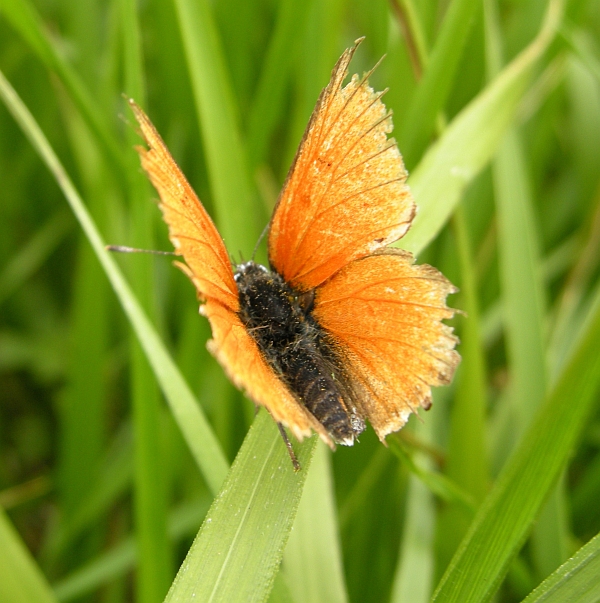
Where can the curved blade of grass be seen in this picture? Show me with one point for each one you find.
(196, 430)
(21, 580)
(585, 47)
(238, 549)
(217, 115)
(576, 580)
(23, 17)
(435, 481)
(471, 139)
(506, 516)
(313, 561)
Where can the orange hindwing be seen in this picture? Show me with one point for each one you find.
(385, 315)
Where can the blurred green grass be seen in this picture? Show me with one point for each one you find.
(105, 486)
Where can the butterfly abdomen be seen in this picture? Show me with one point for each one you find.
(306, 375)
(280, 321)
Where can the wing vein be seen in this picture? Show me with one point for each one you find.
(319, 201)
(370, 234)
(345, 335)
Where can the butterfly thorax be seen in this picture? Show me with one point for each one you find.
(280, 320)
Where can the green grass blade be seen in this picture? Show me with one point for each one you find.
(116, 561)
(196, 430)
(236, 211)
(523, 319)
(312, 560)
(82, 423)
(238, 549)
(585, 496)
(280, 593)
(362, 486)
(414, 574)
(437, 482)
(585, 47)
(576, 580)
(413, 580)
(269, 97)
(585, 129)
(467, 462)
(506, 516)
(150, 478)
(521, 279)
(110, 482)
(523, 295)
(33, 254)
(430, 96)
(471, 140)
(319, 50)
(113, 563)
(523, 298)
(24, 18)
(21, 580)
(83, 407)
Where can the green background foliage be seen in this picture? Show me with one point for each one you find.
(131, 470)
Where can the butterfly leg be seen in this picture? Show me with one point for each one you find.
(290, 450)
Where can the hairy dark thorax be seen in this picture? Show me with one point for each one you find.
(280, 320)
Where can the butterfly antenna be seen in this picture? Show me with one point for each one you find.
(262, 236)
(235, 264)
(124, 249)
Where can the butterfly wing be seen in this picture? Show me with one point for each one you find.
(196, 238)
(345, 195)
(191, 229)
(384, 315)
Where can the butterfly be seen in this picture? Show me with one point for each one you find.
(340, 328)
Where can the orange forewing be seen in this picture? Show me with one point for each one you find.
(385, 313)
(345, 195)
(191, 230)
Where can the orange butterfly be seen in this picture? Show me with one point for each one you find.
(341, 328)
